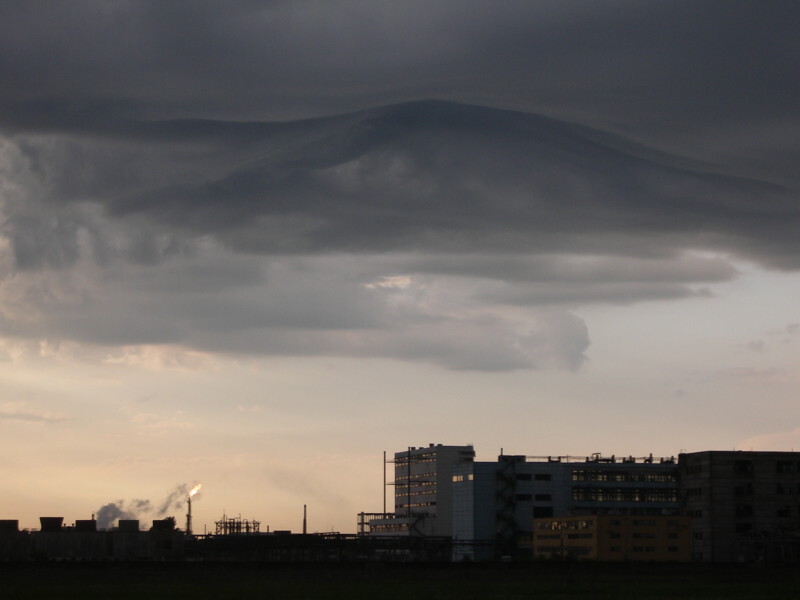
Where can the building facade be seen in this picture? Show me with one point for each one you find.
(614, 538)
(744, 506)
(423, 502)
(495, 503)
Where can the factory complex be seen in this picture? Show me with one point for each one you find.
(711, 506)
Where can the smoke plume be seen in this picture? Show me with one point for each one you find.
(109, 514)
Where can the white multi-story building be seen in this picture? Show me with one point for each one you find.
(423, 489)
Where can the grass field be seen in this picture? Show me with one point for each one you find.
(389, 582)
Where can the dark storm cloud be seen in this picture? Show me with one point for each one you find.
(661, 67)
(426, 176)
(163, 160)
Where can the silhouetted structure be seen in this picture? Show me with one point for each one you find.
(745, 506)
(236, 526)
(495, 503)
(614, 538)
(742, 506)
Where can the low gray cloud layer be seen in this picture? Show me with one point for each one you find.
(272, 178)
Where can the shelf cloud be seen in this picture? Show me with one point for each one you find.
(233, 181)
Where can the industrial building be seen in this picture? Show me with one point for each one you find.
(712, 506)
(423, 503)
(614, 538)
(744, 506)
(82, 541)
(741, 506)
(236, 540)
(495, 503)
(487, 508)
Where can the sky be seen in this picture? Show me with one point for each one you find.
(256, 244)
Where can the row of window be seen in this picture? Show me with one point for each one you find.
(531, 497)
(558, 525)
(416, 460)
(405, 492)
(416, 483)
(414, 476)
(413, 505)
(586, 523)
(587, 549)
(637, 475)
(534, 476)
(624, 495)
(746, 489)
(745, 511)
(746, 467)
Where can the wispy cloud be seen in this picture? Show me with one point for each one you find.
(31, 417)
(781, 440)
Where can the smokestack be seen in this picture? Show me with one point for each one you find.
(305, 522)
(189, 516)
(192, 492)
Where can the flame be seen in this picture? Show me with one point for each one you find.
(195, 489)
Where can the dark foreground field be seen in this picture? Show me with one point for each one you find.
(387, 582)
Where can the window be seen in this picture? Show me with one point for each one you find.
(542, 512)
(523, 476)
(542, 477)
(784, 466)
(744, 510)
(648, 475)
(743, 467)
(524, 497)
(744, 527)
(609, 494)
(543, 497)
